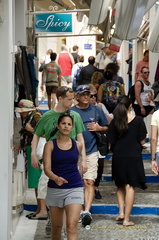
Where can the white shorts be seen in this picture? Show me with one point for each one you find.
(42, 186)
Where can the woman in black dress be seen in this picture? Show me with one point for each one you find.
(126, 135)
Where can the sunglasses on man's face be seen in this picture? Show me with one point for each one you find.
(93, 95)
(146, 72)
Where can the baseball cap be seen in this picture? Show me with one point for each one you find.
(82, 88)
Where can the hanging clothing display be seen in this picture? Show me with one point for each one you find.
(26, 73)
(34, 81)
(157, 73)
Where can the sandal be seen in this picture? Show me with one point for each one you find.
(128, 223)
(40, 217)
(31, 215)
(120, 217)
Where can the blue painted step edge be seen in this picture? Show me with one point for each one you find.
(144, 156)
(149, 179)
(110, 209)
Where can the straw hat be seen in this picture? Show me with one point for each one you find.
(25, 106)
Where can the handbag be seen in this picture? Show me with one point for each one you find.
(102, 141)
(40, 148)
(41, 68)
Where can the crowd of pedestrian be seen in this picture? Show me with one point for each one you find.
(73, 166)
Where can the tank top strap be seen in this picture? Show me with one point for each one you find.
(54, 143)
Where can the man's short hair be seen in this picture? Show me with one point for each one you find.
(91, 60)
(143, 68)
(75, 47)
(61, 91)
(53, 56)
(63, 47)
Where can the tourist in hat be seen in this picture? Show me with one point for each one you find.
(30, 117)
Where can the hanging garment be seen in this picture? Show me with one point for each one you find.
(27, 74)
(157, 73)
(34, 80)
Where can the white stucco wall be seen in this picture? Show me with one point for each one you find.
(6, 123)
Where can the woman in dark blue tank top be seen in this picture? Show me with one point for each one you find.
(65, 186)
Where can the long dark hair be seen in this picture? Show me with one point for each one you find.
(120, 114)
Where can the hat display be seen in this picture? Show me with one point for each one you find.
(156, 98)
(82, 88)
(25, 106)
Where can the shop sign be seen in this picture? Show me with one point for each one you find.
(53, 23)
(88, 46)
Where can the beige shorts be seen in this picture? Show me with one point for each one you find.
(92, 163)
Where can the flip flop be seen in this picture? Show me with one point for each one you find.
(31, 215)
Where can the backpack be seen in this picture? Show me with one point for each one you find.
(76, 78)
(131, 92)
(111, 93)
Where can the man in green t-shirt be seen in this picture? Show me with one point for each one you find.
(48, 122)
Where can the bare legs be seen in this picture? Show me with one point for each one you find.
(41, 209)
(88, 193)
(125, 196)
(72, 216)
(51, 101)
(43, 92)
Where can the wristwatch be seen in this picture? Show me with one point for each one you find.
(153, 159)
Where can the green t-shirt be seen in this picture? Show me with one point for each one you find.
(48, 123)
(52, 70)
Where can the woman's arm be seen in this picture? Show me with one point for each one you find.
(153, 143)
(100, 93)
(47, 164)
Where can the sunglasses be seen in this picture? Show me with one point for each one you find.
(146, 72)
(83, 88)
(66, 89)
(93, 95)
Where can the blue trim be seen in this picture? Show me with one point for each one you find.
(149, 179)
(110, 209)
(113, 209)
(42, 102)
(43, 110)
(145, 156)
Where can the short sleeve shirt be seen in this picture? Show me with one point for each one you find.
(52, 70)
(88, 115)
(48, 123)
(139, 65)
(155, 122)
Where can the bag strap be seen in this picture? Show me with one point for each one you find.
(53, 132)
(95, 110)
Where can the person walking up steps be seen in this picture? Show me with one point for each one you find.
(127, 134)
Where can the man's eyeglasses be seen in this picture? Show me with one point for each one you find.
(93, 95)
(146, 72)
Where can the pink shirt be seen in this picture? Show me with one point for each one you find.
(65, 63)
(139, 65)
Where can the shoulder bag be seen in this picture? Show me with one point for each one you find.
(102, 141)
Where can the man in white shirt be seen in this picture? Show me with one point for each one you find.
(99, 60)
